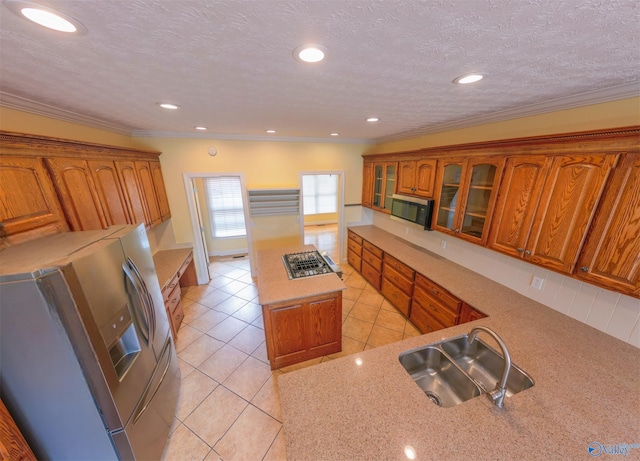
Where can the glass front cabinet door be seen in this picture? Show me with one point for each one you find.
(468, 190)
(384, 185)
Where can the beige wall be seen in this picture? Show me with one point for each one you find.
(23, 122)
(264, 165)
(625, 112)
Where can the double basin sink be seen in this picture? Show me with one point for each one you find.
(455, 370)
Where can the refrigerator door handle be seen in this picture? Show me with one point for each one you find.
(147, 296)
(146, 399)
(139, 308)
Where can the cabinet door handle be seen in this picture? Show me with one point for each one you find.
(584, 269)
(520, 250)
(527, 252)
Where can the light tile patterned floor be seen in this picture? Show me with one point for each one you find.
(229, 407)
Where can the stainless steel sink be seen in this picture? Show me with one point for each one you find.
(443, 382)
(485, 365)
(453, 371)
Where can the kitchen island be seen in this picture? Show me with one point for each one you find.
(302, 317)
(366, 406)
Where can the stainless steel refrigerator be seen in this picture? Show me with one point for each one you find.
(88, 368)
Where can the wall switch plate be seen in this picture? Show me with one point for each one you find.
(537, 282)
(443, 244)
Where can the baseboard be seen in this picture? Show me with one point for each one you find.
(239, 251)
(320, 223)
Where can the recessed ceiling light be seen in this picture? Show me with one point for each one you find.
(201, 128)
(166, 105)
(372, 119)
(468, 78)
(46, 17)
(270, 131)
(335, 134)
(310, 53)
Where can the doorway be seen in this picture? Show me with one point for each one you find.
(203, 215)
(322, 211)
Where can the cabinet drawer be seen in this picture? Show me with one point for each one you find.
(434, 307)
(354, 260)
(167, 292)
(371, 275)
(372, 259)
(372, 249)
(396, 296)
(398, 279)
(176, 318)
(184, 266)
(399, 267)
(422, 320)
(447, 300)
(355, 237)
(355, 247)
(173, 299)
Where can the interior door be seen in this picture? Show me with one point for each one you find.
(201, 227)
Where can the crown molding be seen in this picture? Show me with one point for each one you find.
(624, 91)
(37, 108)
(243, 137)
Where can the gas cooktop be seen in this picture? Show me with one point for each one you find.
(309, 263)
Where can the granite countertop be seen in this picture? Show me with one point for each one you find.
(274, 284)
(168, 262)
(587, 386)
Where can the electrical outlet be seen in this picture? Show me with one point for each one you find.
(406, 230)
(443, 244)
(536, 282)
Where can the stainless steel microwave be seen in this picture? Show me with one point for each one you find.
(412, 209)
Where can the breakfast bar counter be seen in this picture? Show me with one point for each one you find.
(585, 399)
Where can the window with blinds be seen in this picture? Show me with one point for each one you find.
(226, 210)
(319, 193)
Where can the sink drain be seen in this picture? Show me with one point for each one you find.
(434, 398)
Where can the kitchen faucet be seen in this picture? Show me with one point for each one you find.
(498, 394)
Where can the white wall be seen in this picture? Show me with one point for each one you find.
(613, 313)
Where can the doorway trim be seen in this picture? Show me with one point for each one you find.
(340, 175)
(198, 248)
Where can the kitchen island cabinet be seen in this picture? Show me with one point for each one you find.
(570, 408)
(302, 317)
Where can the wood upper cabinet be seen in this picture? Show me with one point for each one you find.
(367, 184)
(143, 170)
(28, 201)
(110, 192)
(161, 194)
(546, 205)
(417, 177)
(132, 191)
(467, 190)
(611, 254)
(384, 185)
(74, 184)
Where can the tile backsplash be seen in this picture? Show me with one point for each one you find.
(613, 313)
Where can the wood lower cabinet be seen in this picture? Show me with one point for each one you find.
(469, 314)
(372, 264)
(29, 206)
(13, 446)
(433, 307)
(417, 177)
(611, 254)
(545, 206)
(354, 251)
(303, 329)
(397, 283)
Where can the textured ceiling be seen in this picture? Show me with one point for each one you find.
(229, 64)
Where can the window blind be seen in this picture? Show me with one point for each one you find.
(226, 210)
(319, 193)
